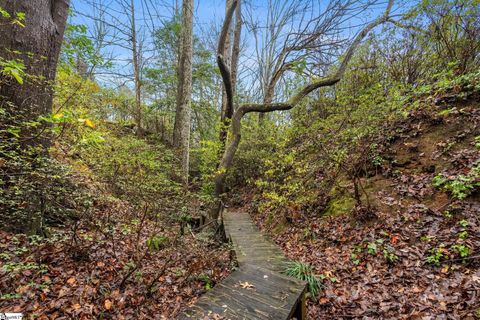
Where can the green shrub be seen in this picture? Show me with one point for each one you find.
(36, 190)
(156, 242)
(389, 256)
(436, 255)
(460, 186)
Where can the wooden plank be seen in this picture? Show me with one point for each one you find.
(251, 293)
(257, 290)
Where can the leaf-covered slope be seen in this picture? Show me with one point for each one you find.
(418, 255)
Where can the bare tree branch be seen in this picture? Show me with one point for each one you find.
(244, 109)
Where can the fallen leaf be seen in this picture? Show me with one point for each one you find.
(89, 123)
(393, 239)
(246, 285)
(71, 281)
(108, 304)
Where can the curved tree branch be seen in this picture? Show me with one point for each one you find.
(221, 51)
(235, 130)
(401, 25)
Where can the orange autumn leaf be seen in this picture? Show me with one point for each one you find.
(71, 281)
(108, 304)
(394, 239)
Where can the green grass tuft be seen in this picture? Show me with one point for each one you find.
(304, 272)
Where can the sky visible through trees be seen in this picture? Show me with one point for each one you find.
(208, 15)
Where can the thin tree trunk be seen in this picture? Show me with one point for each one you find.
(136, 72)
(237, 34)
(177, 132)
(181, 138)
(267, 100)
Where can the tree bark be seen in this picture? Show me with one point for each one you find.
(136, 72)
(280, 69)
(230, 55)
(37, 45)
(237, 34)
(181, 138)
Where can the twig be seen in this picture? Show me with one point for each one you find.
(466, 258)
(205, 225)
(159, 274)
(125, 278)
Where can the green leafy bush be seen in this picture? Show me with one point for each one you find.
(156, 242)
(36, 190)
(389, 256)
(460, 186)
(12, 68)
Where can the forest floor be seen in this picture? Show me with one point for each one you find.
(95, 278)
(116, 263)
(419, 257)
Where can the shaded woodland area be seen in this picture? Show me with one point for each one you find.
(348, 130)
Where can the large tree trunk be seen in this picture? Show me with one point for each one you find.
(37, 45)
(181, 137)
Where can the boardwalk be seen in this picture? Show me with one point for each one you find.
(257, 290)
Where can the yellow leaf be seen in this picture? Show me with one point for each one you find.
(89, 123)
(108, 304)
(246, 285)
(58, 116)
